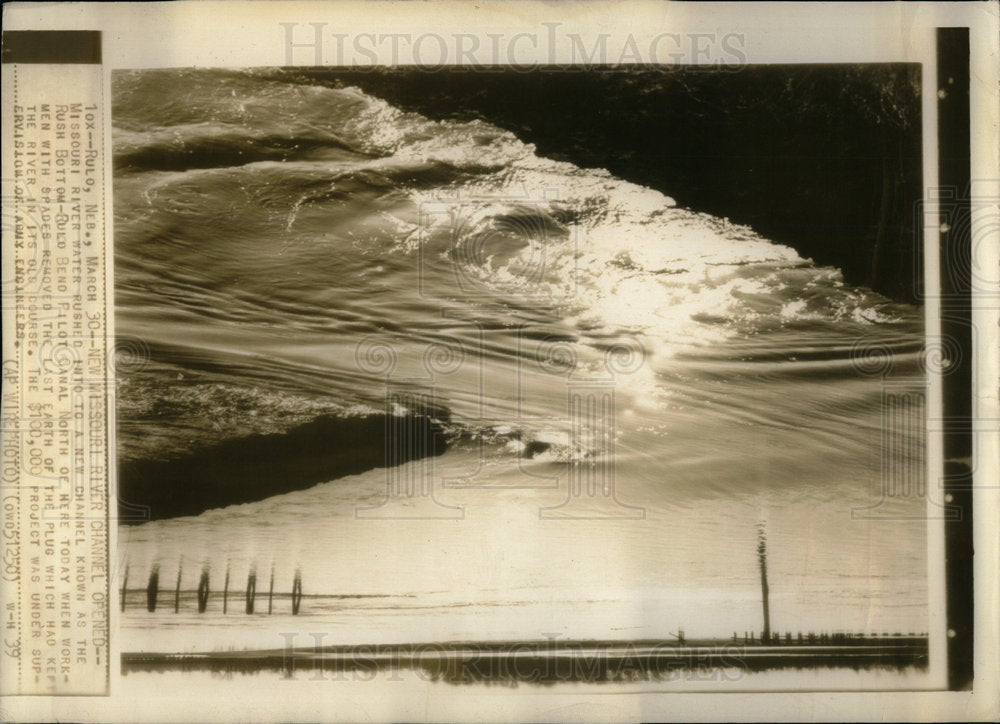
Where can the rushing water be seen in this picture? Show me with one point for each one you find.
(288, 253)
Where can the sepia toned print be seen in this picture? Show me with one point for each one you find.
(398, 325)
(505, 362)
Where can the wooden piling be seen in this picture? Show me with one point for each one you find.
(177, 590)
(251, 590)
(124, 588)
(152, 589)
(225, 593)
(203, 591)
(297, 593)
(270, 593)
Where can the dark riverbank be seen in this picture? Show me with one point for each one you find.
(550, 662)
(823, 158)
(254, 467)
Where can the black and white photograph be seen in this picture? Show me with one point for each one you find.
(410, 344)
(519, 362)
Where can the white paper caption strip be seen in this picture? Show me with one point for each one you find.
(58, 387)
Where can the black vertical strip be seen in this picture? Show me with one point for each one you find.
(954, 152)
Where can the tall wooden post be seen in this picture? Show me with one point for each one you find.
(762, 556)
